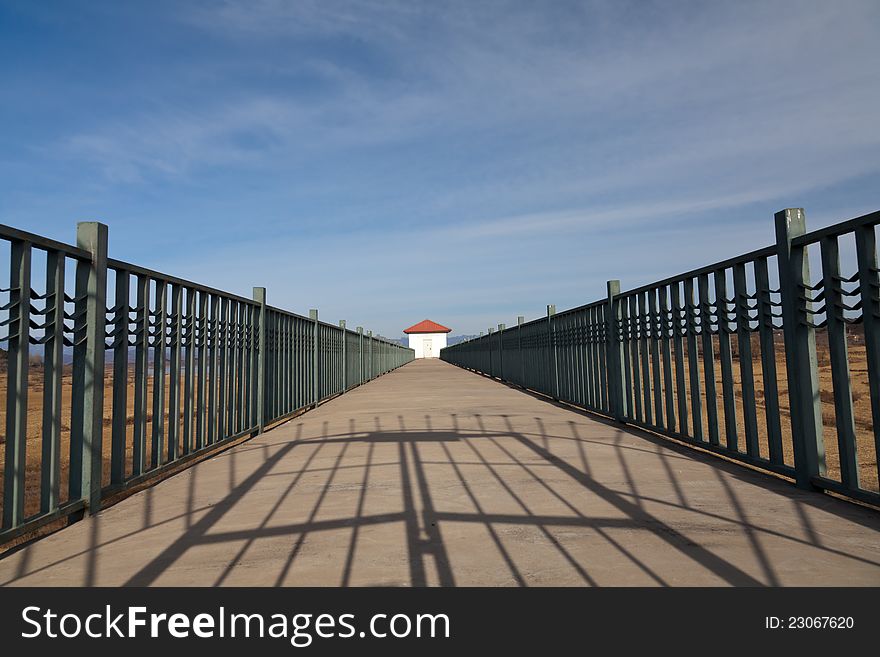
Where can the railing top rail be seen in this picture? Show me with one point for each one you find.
(282, 311)
(120, 265)
(765, 252)
(347, 330)
(586, 306)
(724, 264)
(870, 219)
(537, 320)
(44, 243)
(514, 327)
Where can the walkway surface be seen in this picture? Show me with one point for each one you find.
(435, 475)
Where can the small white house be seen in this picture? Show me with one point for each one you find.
(427, 338)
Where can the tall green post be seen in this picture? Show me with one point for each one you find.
(86, 458)
(360, 330)
(800, 347)
(869, 286)
(18, 351)
(344, 361)
(501, 351)
(522, 366)
(262, 354)
(551, 351)
(489, 349)
(316, 359)
(614, 352)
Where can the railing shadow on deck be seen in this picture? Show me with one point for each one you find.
(422, 522)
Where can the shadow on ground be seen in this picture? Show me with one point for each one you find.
(462, 500)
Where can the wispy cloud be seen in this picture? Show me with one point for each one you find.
(468, 137)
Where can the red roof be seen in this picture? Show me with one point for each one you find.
(427, 326)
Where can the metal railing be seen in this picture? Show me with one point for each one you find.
(745, 330)
(170, 371)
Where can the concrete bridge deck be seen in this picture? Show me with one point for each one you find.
(432, 475)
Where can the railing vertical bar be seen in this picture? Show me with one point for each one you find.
(247, 367)
(746, 368)
(289, 369)
(202, 375)
(840, 372)
(240, 367)
(647, 388)
(622, 333)
(175, 372)
(189, 371)
(18, 347)
(653, 321)
(53, 373)
(666, 327)
(223, 327)
(276, 369)
(602, 371)
(579, 374)
(708, 360)
(316, 355)
(635, 332)
(214, 371)
(157, 453)
(262, 351)
(562, 341)
(589, 357)
(869, 288)
(583, 352)
(678, 326)
(552, 369)
(766, 334)
(726, 358)
(691, 309)
(592, 400)
(141, 375)
(657, 387)
(119, 420)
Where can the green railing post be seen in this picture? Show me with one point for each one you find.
(614, 352)
(522, 366)
(316, 360)
(17, 384)
(489, 349)
(344, 361)
(262, 355)
(869, 287)
(551, 351)
(370, 359)
(86, 457)
(360, 330)
(53, 371)
(501, 351)
(800, 348)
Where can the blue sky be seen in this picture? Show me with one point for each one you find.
(463, 161)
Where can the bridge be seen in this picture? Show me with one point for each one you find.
(465, 482)
(675, 434)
